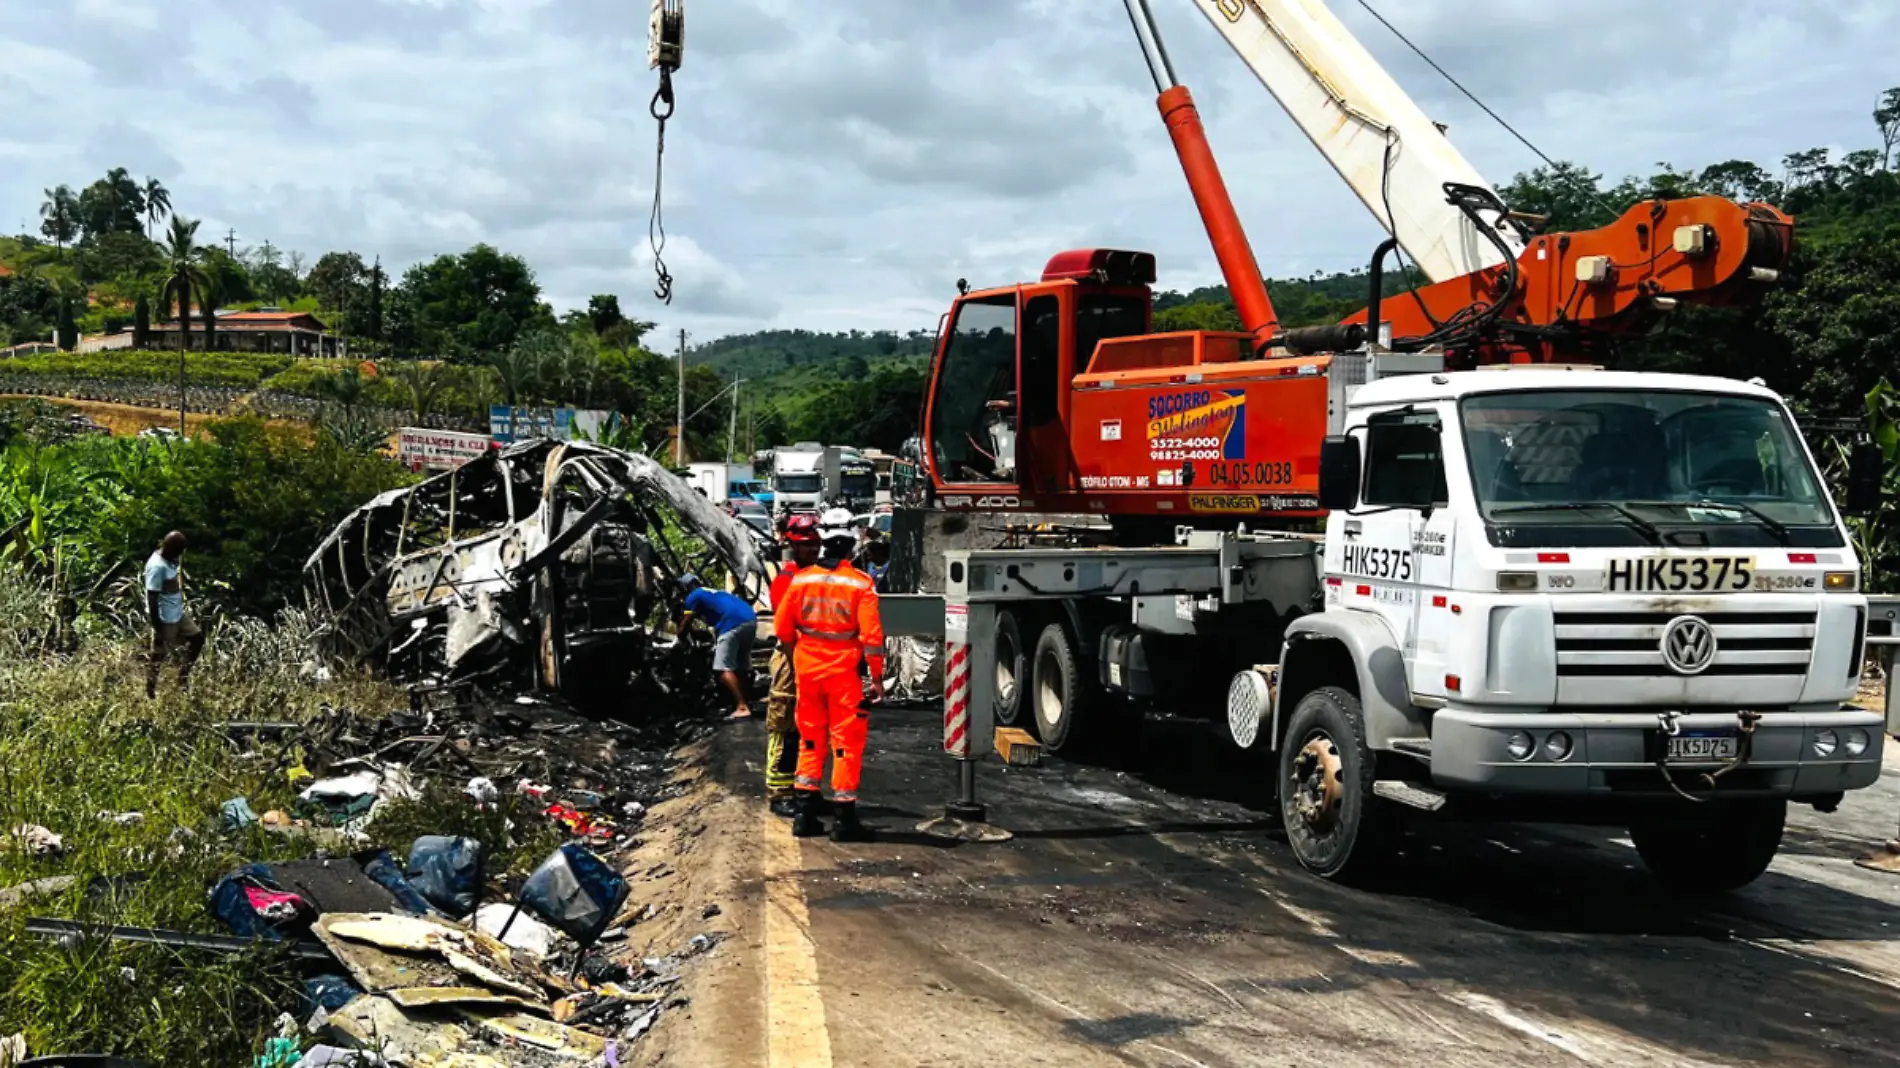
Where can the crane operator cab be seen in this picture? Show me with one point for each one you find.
(999, 402)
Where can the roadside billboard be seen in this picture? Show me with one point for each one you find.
(420, 449)
(507, 425)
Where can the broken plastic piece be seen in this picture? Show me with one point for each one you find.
(525, 934)
(576, 892)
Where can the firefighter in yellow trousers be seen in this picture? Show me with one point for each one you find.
(781, 721)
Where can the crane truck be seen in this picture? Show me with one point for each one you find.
(1432, 558)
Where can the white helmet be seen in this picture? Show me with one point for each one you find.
(836, 523)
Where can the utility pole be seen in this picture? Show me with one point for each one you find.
(230, 242)
(732, 425)
(679, 426)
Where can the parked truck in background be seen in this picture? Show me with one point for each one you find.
(716, 480)
(798, 478)
(850, 479)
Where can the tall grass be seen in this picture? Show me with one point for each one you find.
(78, 739)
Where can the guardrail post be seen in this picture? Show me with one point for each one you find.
(969, 715)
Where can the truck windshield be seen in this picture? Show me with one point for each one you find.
(811, 483)
(855, 485)
(1622, 467)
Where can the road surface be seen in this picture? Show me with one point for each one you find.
(1153, 915)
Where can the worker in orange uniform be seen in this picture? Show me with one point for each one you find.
(781, 722)
(829, 618)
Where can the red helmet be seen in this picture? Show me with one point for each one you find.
(802, 528)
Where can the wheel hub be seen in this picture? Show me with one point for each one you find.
(1317, 784)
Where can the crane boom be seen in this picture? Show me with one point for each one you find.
(1372, 132)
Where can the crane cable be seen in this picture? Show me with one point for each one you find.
(1473, 97)
(661, 108)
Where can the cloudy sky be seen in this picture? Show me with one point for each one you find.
(840, 163)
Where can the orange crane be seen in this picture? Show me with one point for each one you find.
(1055, 396)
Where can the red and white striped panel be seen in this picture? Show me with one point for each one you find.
(956, 698)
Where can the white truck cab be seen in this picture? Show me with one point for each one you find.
(1627, 589)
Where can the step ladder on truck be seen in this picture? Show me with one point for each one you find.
(1432, 558)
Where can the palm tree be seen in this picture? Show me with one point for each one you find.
(61, 215)
(424, 383)
(187, 276)
(158, 203)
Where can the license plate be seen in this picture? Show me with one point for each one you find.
(1691, 748)
(1680, 574)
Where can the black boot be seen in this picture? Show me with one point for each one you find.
(807, 824)
(786, 807)
(848, 829)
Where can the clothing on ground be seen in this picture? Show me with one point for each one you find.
(721, 609)
(161, 577)
(733, 650)
(830, 621)
(831, 719)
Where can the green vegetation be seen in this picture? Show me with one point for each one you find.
(255, 501)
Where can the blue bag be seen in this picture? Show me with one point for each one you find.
(447, 871)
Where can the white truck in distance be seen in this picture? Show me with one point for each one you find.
(798, 478)
(1542, 594)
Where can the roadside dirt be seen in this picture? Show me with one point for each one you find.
(706, 856)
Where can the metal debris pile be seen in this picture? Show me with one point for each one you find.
(546, 563)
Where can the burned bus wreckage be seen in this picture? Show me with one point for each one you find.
(546, 563)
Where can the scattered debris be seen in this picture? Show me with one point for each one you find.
(1018, 747)
(72, 932)
(521, 933)
(123, 819)
(12, 1050)
(35, 840)
(447, 872)
(482, 791)
(13, 896)
(576, 893)
(236, 814)
(709, 912)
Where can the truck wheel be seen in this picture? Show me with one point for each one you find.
(1062, 698)
(1012, 669)
(1725, 849)
(1333, 822)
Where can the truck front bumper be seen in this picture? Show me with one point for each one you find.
(1615, 753)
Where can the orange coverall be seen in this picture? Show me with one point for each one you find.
(830, 621)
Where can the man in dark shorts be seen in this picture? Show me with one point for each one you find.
(735, 625)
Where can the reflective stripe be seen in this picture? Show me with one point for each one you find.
(874, 650)
(806, 782)
(817, 577)
(827, 635)
(844, 797)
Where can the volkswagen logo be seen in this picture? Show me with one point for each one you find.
(1688, 645)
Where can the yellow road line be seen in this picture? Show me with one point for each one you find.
(794, 1005)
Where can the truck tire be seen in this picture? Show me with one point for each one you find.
(1062, 698)
(1334, 823)
(1012, 669)
(1725, 849)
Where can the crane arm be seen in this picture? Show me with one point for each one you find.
(1394, 158)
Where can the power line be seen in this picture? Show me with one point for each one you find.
(1469, 95)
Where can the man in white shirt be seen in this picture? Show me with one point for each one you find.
(165, 606)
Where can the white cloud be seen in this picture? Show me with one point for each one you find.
(841, 164)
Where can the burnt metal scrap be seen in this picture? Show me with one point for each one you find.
(547, 561)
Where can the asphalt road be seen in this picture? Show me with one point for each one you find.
(1152, 915)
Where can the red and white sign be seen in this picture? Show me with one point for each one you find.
(438, 450)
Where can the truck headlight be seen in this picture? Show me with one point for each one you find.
(1520, 745)
(1557, 746)
(1825, 742)
(1856, 743)
(1517, 581)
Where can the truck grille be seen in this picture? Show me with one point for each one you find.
(1629, 644)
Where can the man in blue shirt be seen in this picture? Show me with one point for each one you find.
(736, 625)
(165, 607)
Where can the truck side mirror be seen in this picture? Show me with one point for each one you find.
(1866, 469)
(1339, 466)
